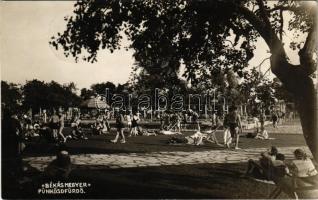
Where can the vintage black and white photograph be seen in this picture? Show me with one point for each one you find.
(159, 99)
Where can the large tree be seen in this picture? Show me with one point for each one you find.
(11, 96)
(204, 35)
(38, 94)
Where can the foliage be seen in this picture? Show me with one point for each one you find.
(86, 93)
(280, 91)
(38, 94)
(11, 96)
(163, 32)
(203, 35)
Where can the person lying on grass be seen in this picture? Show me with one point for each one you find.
(164, 132)
(196, 139)
(146, 132)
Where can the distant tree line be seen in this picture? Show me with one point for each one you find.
(255, 90)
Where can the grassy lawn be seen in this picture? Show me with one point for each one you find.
(176, 181)
(186, 181)
(143, 144)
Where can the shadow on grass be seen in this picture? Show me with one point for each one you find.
(183, 181)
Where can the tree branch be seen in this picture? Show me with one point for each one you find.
(281, 25)
(279, 64)
(307, 61)
(263, 62)
(284, 8)
(263, 13)
(266, 32)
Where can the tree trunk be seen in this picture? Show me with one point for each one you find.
(305, 95)
(306, 103)
(295, 78)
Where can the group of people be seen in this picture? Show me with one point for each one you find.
(132, 124)
(261, 132)
(232, 127)
(101, 125)
(286, 174)
(169, 121)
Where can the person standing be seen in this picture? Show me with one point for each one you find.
(233, 122)
(215, 121)
(99, 124)
(106, 118)
(134, 125)
(166, 120)
(215, 124)
(54, 125)
(262, 119)
(256, 124)
(129, 121)
(161, 118)
(226, 135)
(12, 140)
(120, 127)
(44, 117)
(274, 118)
(178, 122)
(194, 118)
(61, 126)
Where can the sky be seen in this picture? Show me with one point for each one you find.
(26, 28)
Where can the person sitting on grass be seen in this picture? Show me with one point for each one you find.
(262, 167)
(302, 174)
(302, 166)
(262, 135)
(77, 132)
(274, 171)
(98, 128)
(59, 168)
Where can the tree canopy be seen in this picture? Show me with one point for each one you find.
(205, 36)
(38, 94)
(11, 96)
